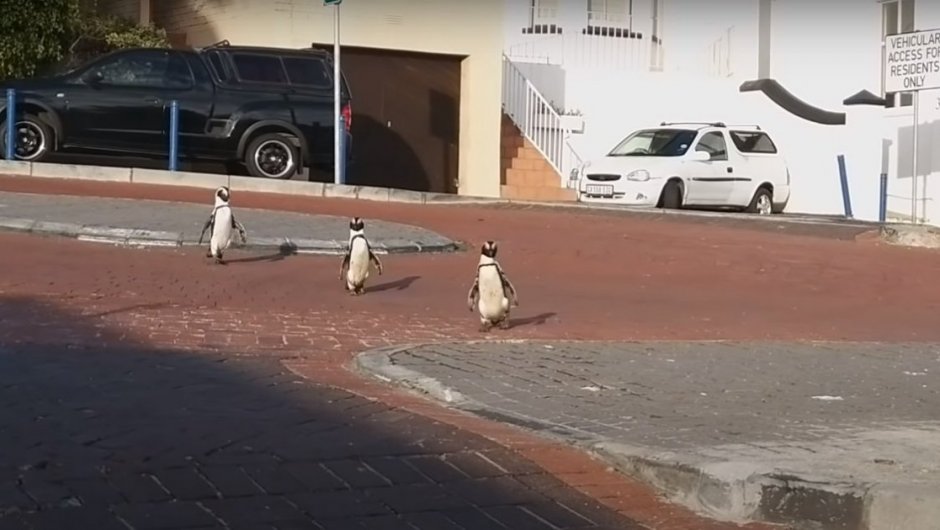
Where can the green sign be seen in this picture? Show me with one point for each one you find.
(332, 2)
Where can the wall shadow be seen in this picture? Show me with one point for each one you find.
(380, 157)
(98, 428)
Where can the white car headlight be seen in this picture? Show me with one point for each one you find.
(640, 175)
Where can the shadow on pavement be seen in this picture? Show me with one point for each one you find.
(103, 431)
(395, 285)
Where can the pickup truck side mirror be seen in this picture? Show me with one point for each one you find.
(700, 156)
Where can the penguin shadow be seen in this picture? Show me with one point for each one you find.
(398, 285)
(283, 252)
(536, 320)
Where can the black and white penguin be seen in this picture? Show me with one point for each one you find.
(492, 293)
(221, 223)
(358, 257)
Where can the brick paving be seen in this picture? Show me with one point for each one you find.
(104, 431)
(117, 307)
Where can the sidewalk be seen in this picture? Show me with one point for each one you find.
(139, 222)
(837, 435)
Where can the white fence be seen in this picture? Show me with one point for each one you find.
(539, 122)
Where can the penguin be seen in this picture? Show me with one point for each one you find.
(221, 222)
(492, 293)
(358, 257)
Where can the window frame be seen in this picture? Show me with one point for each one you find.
(714, 158)
(285, 83)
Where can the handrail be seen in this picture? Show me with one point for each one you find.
(539, 122)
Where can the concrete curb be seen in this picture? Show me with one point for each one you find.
(911, 235)
(340, 191)
(738, 492)
(132, 237)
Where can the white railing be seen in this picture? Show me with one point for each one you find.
(539, 122)
(585, 51)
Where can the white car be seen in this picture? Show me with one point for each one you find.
(702, 165)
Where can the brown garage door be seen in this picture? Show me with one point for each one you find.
(405, 118)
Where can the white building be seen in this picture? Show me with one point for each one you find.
(625, 64)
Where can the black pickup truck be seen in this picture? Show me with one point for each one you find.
(270, 109)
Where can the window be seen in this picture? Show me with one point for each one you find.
(307, 72)
(655, 142)
(714, 144)
(146, 69)
(753, 142)
(218, 66)
(544, 10)
(897, 16)
(610, 13)
(656, 46)
(257, 68)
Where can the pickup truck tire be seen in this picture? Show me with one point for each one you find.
(272, 156)
(34, 139)
(672, 195)
(761, 203)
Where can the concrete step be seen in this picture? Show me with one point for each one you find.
(538, 193)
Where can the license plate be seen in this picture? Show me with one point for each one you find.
(599, 189)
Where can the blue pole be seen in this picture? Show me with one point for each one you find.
(174, 134)
(342, 149)
(883, 199)
(846, 201)
(11, 125)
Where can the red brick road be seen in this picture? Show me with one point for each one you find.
(579, 276)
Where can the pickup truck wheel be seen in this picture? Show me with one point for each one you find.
(672, 195)
(33, 139)
(272, 156)
(762, 203)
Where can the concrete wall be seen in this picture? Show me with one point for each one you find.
(822, 52)
(471, 30)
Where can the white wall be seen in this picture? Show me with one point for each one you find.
(822, 52)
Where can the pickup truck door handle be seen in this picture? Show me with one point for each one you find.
(730, 169)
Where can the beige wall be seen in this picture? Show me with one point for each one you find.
(470, 29)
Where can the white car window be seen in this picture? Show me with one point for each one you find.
(714, 144)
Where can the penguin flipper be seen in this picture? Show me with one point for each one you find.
(242, 233)
(375, 259)
(345, 264)
(473, 296)
(207, 226)
(509, 289)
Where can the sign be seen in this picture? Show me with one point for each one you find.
(912, 61)
(332, 2)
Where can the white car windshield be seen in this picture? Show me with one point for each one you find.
(655, 142)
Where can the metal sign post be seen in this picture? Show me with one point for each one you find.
(911, 65)
(338, 127)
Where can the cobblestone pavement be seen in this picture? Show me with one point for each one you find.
(189, 219)
(830, 413)
(100, 432)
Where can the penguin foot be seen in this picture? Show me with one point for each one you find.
(485, 326)
(504, 323)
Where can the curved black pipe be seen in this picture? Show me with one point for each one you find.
(781, 96)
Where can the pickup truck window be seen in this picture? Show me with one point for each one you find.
(218, 66)
(714, 144)
(655, 142)
(307, 72)
(753, 142)
(257, 68)
(154, 69)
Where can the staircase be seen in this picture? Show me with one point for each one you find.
(536, 157)
(524, 172)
